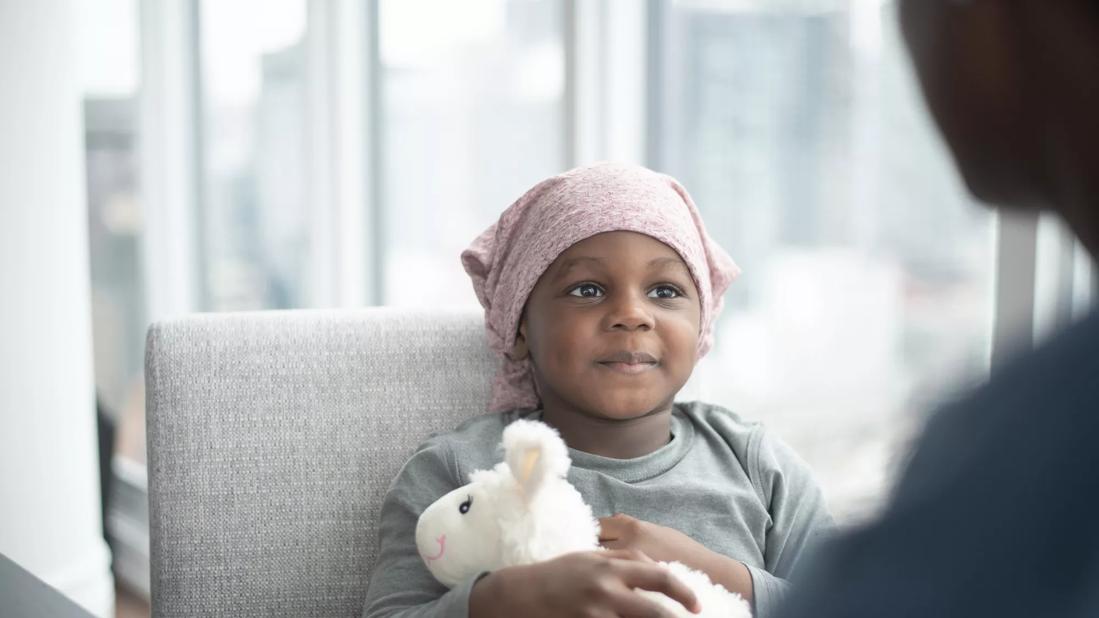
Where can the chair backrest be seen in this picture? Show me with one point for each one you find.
(272, 438)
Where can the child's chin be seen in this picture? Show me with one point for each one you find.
(629, 409)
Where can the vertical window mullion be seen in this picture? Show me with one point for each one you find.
(341, 131)
(321, 131)
(1016, 259)
(170, 146)
(374, 142)
(657, 21)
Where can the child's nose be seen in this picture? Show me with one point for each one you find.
(629, 313)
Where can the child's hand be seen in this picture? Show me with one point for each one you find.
(580, 584)
(667, 544)
(657, 542)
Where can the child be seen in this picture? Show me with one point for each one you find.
(600, 289)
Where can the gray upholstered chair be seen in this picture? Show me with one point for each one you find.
(272, 438)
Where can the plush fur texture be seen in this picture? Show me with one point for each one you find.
(525, 511)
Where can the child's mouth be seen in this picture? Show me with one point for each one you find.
(629, 368)
(629, 363)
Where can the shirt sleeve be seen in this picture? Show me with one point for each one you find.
(400, 584)
(799, 518)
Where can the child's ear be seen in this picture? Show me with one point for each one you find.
(520, 350)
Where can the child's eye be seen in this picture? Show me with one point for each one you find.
(586, 290)
(664, 292)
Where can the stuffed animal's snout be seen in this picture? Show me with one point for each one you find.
(442, 550)
(430, 539)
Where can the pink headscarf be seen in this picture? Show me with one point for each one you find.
(507, 259)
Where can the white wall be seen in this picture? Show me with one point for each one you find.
(49, 484)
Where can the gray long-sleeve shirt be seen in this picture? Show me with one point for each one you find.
(725, 482)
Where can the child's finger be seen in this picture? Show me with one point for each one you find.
(658, 579)
(608, 528)
(630, 603)
(616, 526)
(612, 544)
(623, 553)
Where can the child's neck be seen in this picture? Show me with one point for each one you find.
(617, 439)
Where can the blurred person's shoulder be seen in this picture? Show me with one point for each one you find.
(1000, 493)
(1035, 424)
(1067, 359)
(1052, 390)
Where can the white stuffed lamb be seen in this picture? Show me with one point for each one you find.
(525, 511)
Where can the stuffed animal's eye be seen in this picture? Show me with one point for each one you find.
(463, 508)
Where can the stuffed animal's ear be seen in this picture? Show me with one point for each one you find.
(534, 453)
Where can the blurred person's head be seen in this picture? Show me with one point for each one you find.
(1014, 85)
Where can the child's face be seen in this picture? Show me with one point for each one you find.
(612, 327)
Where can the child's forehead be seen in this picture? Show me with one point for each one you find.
(619, 248)
(619, 240)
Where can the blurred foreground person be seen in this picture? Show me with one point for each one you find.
(998, 511)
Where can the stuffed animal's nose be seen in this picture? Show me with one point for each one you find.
(441, 541)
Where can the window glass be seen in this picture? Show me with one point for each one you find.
(473, 115)
(254, 223)
(107, 47)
